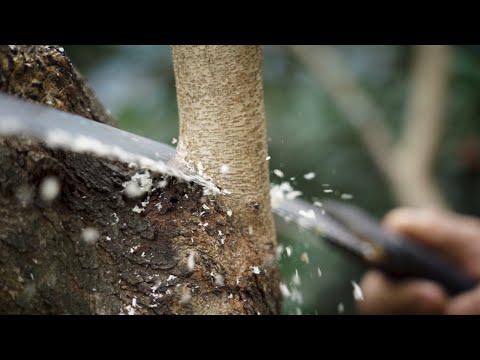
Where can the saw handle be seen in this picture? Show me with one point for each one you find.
(401, 256)
(405, 258)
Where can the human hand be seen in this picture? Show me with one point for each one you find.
(455, 236)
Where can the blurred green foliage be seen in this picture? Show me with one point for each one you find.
(308, 133)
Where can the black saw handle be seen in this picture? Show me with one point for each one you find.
(401, 257)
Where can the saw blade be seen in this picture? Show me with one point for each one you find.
(59, 129)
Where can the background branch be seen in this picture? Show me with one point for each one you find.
(415, 152)
(406, 166)
(339, 82)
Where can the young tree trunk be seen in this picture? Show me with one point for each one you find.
(160, 261)
(223, 131)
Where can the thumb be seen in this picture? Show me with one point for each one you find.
(465, 304)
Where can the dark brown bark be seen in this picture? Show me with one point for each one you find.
(46, 267)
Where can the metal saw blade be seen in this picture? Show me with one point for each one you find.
(59, 129)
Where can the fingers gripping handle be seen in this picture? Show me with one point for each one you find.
(405, 258)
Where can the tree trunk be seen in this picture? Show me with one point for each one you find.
(223, 132)
(159, 261)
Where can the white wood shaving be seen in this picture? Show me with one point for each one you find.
(284, 290)
(132, 190)
(90, 235)
(309, 214)
(280, 249)
(288, 249)
(279, 173)
(309, 176)
(296, 278)
(49, 188)
(219, 280)
(191, 261)
(304, 258)
(138, 210)
(200, 168)
(224, 169)
(357, 292)
(255, 270)
(117, 219)
(130, 310)
(186, 295)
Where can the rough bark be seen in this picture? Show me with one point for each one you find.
(46, 266)
(45, 75)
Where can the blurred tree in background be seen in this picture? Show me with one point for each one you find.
(310, 132)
